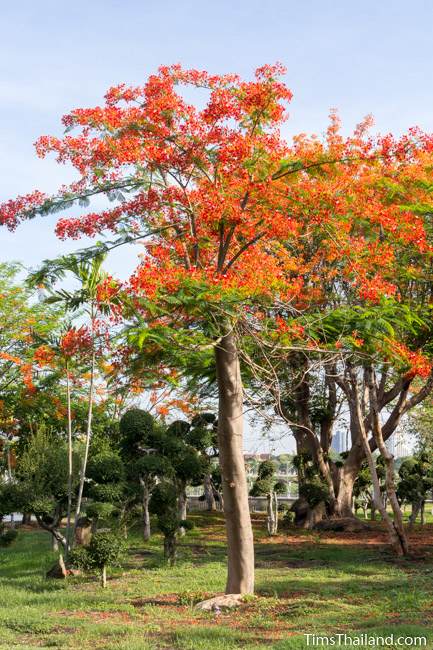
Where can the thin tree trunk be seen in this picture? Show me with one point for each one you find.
(182, 509)
(389, 463)
(240, 544)
(170, 549)
(88, 436)
(9, 463)
(145, 506)
(209, 494)
(270, 513)
(276, 513)
(52, 528)
(70, 467)
(357, 414)
(416, 507)
(272, 510)
(104, 577)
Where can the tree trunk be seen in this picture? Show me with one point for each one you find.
(182, 509)
(391, 492)
(52, 528)
(170, 549)
(27, 518)
(145, 508)
(88, 436)
(240, 543)
(209, 494)
(356, 414)
(270, 513)
(54, 544)
(104, 577)
(416, 507)
(70, 467)
(347, 478)
(422, 512)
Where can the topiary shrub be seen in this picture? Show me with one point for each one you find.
(314, 491)
(78, 558)
(163, 504)
(136, 430)
(104, 550)
(105, 467)
(99, 510)
(178, 429)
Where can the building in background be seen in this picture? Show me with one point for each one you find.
(340, 441)
(399, 444)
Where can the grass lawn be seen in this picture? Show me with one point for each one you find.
(307, 582)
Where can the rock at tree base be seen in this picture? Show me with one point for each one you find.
(307, 516)
(225, 601)
(346, 524)
(83, 531)
(58, 570)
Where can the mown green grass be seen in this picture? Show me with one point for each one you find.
(306, 583)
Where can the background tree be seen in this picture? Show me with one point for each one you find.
(90, 276)
(105, 550)
(138, 451)
(164, 504)
(267, 485)
(416, 482)
(41, 482)
(203, 437)
(106, 485)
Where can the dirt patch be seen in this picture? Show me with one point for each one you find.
(96, 616)
(164, 600)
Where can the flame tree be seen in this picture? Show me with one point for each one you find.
(218, 198)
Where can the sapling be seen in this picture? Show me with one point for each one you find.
(104, 550)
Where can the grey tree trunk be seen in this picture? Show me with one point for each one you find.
(88, 436)
(182, 505)
(347, 478)
(276, 513)
(145, 508)
(240, 543)
(170, 549)
(270, 514)
(416, 507)
(209, 494)
(272, 511)
(356, 414)
(391, 492)
(70, 466)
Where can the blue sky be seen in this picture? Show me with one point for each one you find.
(373, 56)
(361, 57)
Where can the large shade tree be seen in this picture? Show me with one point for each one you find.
(221, 198)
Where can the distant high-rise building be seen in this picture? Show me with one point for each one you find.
(340, 442)
(399, 445)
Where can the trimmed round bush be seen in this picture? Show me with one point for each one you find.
(136, 429)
